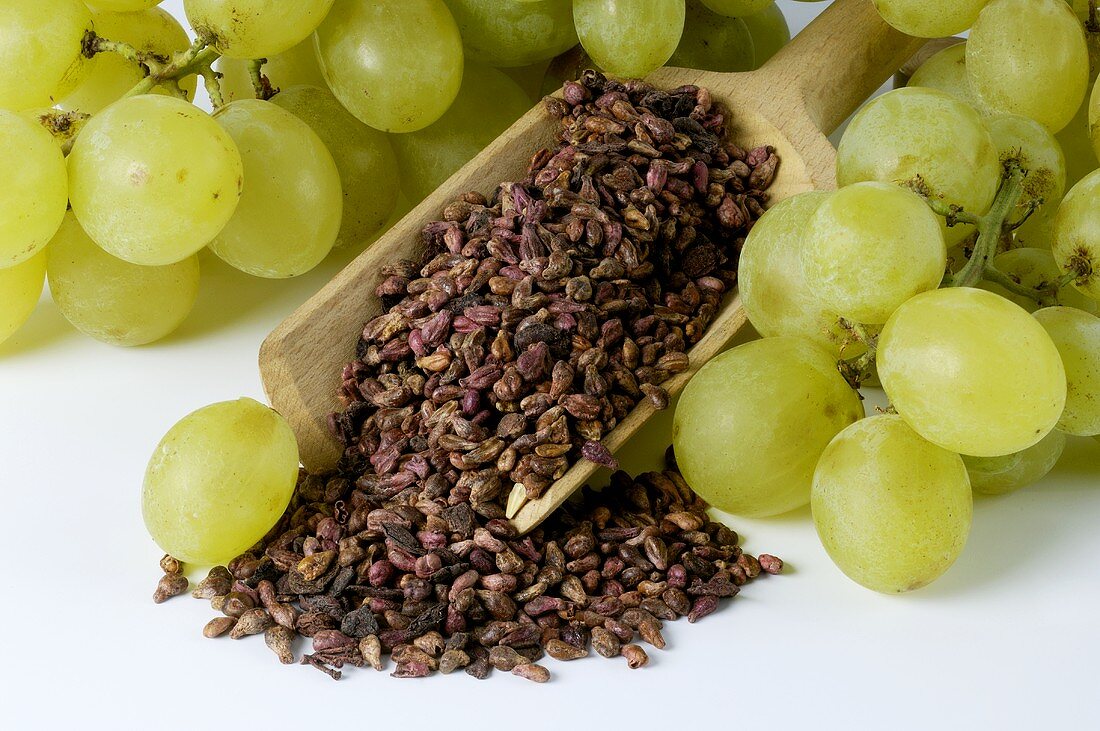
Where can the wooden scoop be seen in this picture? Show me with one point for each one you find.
(791, 103)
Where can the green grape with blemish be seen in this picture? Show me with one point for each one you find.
(41, 51)
(1076, 239)
(713, 42)
(255, 28)
(930, 18)
(35, 187)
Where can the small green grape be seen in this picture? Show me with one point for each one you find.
(1039, 154)
(1076, 242)
(769, 31)
(1002, 475)
(946, 72)
(629, 37)
(35, 188)
(510, 34)
(713, 42)
(930, 18)
(737, 8)
(20, 289)
(1077, 337)
(255, 28)
(219, 480)
(41, 51)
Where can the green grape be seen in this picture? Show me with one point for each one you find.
(971, 372)
(713, 42)
(111, 75)
(255, 28)
(219, 480)
(488, 103)
(34, 184)
(629, 37)
(915, 133)
(1035, 268)
(395, 64)
(892, 510)
(41, 51)
(1029, 57)
(363, 155)
(291, 208)
(1094, 119)
(946, 71)
(1076, 242)
(112, 300)
(930, 18)
(737, 8)
(752, 423)
(507, 34)
(1037, 151)
(1076, 143)
(776, 295)
(1077, 337)
(529, 78)
(123, 6)
(769, 31)
(294, 67)
(870, 247)
(1002, 475)
(153, 179)
(20, 288)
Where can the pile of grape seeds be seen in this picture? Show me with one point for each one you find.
(406, 549)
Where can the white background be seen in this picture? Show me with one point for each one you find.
(1009, 638)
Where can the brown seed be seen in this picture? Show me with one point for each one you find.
(280, 639)
(605, 642)
(533, 672)
(252, 622)
(564, 651)
(218, 626)
(217, 583)
(170, 585)
(635, 656)
(770, 564)
(171, 565)
(453, 660)
(371, 650)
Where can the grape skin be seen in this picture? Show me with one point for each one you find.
(1002, 475)
(292, 206)
(723, 451)
(153, 179)
(913, 133)
(892, 510)
(111, 75)
(930, 18)
(20, 288)
(363, 156)
(255, 28)
(972, 372)
(509, 34)
(219, 480)
(1076, 243)
(1076, 334)
(1029, 57)
(713, 42)
(946, 71)
(488, 103)
(34, 182)
(408, 53)
(870, 247)
(41, 57)
(769, 31)
(294, 67)
(629, 37)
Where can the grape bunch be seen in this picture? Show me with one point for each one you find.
(330, 119)
(958, 266)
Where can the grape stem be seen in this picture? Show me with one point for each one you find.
(260, 82)
(61, 125)
(211, 79)
(858, 369)
(1045, 295)
(191, 61)
(990, 228)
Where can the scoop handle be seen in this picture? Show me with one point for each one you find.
(840, 59)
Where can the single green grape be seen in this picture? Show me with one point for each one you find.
(930, 18)
(291, 209)
(41, 51)
(488, 103)
(20, 288)
(508, 34)
(1076, 242)
(917, 135)
(296, 66)
(1039, 154)
(892, 509)
(255, 28)
(737, 8)
(122, 6)
(870, 247)
(363, 155)
(219, 480)
(769, 31)
(629, 37)
(112, 300)
(1002, 475)
(971, 372)
(748, 464)
(1076, 143)
(111, 75)
(713, 42)
(777, 297)
(395, 64)
(35, 187)
(1035, 268)
(153, 179)
(946, 71)
(1029, 57)
(1076, 334)
(1094, 119)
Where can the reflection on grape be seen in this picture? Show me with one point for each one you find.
(41, 57)
(34, 185)
(629, 37)
(509, 34)
(255, 28)
(219, 480)
(20, 288)
(1001, 475)
(746, 466)
(892, 510)
(1077, 337)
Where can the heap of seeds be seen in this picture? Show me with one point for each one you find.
(534, 323)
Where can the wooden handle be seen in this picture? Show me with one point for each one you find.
(840, 59)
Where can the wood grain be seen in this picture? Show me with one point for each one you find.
(801, 95)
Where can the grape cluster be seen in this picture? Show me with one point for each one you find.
(953, 268)
(331, 119)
